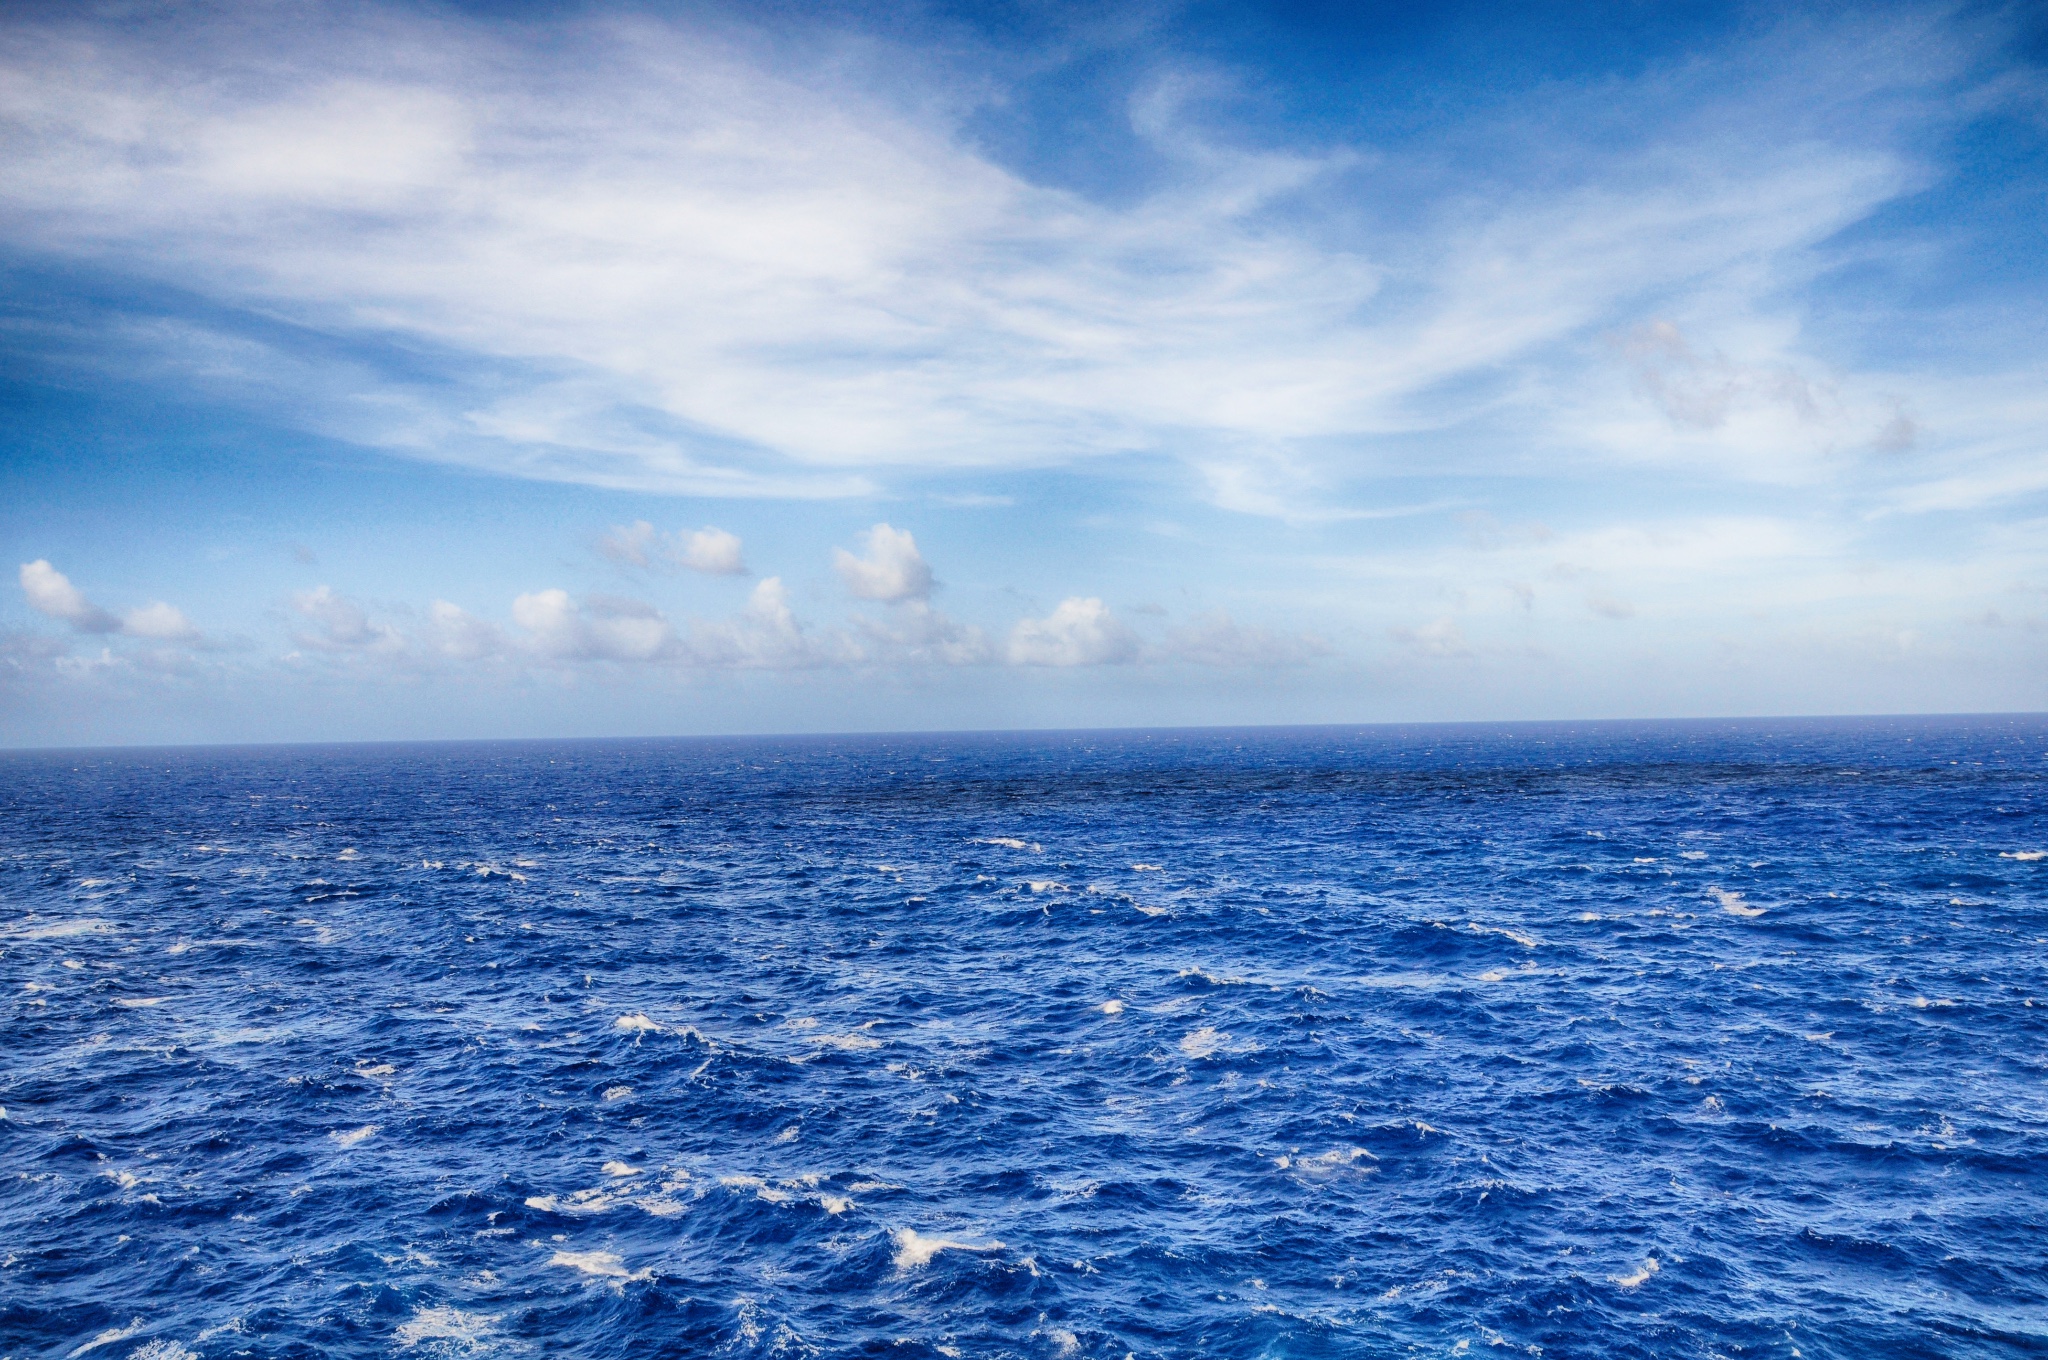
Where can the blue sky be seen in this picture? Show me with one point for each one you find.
(451, 371)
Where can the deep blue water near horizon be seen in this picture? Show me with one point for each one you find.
(1684, 1039)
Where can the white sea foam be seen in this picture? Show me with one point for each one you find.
(1112, 1008)
(619, 1169)
(2026, 855)
(139, 1002)
(605, 1263)
(1732, 903)
(1009, 843)
(1692, 854)
(1040, 885)
(1649, 1268)
(350, 853)
(913, 1249)
(1326, 1163)
(635, 1024)
(163, 1350)
(1203, 1042)
(545, 1203)
(348, 1138)
(56, 930)
(618, 1092)
(1151, 910)
(1148, 868)
(1527, 942)
(834, 1204)
(844, 1041)
(444, 1324)
(366, 1068)
(109, 1337)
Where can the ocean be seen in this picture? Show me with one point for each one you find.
(1713, 1039)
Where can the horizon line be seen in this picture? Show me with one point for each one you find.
(878, 733)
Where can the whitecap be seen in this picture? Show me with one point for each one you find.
(844, 1041)
(1202, 1042)
(350, 853)
(1008, 843)
(605, 1263)
(55, 930)
(1148, 868)
(1732, 903)
(618, 1092)
(1112, 1007)
(139, 1002)
(1692, 854)
(834, 1204)
(1324, 1163)
(108, 1338)
(348, 1138)
(2027, 856)
(163, 1350)
(1040, 885)
(619, 1169)
(1649, 1268)
(444, 1324)
(913, 1249)
(635, 1024)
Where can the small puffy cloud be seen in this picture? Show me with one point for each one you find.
(599, 628)
(891, 570)
(456, 633)
(339, 624)
(164, 622)
(1080, 632)
(639, 544)
(1219, 640)
(764, 635)
(714, 552)
(51, 593)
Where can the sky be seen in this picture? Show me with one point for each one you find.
(460, 371)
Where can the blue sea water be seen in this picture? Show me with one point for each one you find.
(1707, 1039)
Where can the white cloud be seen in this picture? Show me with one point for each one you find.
(163, 622)
(456, 633)
(51, 593)
(597, 628)
(765, 635)
(342, 625)
(1079, 632)
(891, 569)
(866, 291)
(712, 551)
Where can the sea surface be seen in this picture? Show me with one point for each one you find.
(1598, 1040)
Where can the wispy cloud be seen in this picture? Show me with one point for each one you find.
(738, 279)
